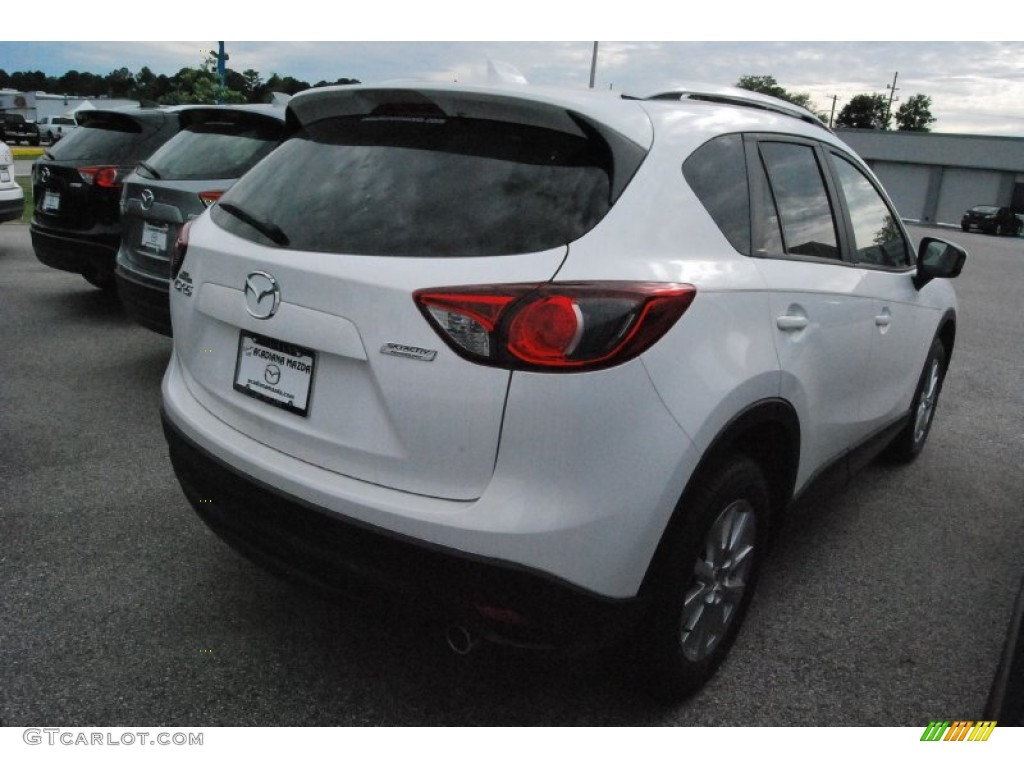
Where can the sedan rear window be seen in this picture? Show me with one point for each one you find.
(429, 185)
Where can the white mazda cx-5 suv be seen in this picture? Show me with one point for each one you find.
(552, 361)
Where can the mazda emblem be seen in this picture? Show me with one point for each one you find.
(44, 174)
(146, 199)
(262, 295)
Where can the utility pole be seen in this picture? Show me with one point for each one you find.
(833, 113)
(593, 65)
(892, 93)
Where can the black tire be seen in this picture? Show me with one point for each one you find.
(965, 227)
(703, 590)
(908, 443)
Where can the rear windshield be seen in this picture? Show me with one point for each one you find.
(221, 148)
(113, 139)
(428, 186)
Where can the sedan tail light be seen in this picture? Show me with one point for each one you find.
(555, 327)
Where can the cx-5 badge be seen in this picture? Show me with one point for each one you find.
(262, 295)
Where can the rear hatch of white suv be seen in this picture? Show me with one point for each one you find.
(293, 304)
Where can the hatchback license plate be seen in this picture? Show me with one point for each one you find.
(5, 175)
(51, 201)
(154, 237)
(275, 372)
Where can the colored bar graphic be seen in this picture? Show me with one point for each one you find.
(958, 730)
(935, 730)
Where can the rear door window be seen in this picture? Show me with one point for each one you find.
(801, 202)
(429, 185)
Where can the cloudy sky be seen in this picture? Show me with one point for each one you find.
(975, 86)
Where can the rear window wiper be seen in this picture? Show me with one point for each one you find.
(149, 169)
(271, 231)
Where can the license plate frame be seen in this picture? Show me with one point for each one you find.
(154, 237)
(275, 372)
(51, 202)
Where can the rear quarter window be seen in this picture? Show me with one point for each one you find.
(717, 174)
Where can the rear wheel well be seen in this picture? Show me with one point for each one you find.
(769, 434)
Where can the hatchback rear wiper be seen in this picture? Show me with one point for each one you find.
(149, 169)
(272, 231)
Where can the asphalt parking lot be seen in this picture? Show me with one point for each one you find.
(884, 604)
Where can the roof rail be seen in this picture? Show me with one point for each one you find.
(735, 96)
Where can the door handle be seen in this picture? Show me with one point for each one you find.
(791, 322)
(883, 320)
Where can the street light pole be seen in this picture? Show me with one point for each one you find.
(593, 65)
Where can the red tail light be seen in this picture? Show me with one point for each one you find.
(180, 248)
(107, 176)
(210, 197)
(554, 327)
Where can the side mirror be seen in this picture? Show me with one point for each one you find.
(938, 258)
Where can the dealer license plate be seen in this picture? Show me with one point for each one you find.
(275, 372)
(5, 175)
(51, 201)
(154, 237)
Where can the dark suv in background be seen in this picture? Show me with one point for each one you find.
(177, 183)
(77, 186)
(15, 128)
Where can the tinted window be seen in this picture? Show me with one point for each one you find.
(802, 202)
(113, 139)
(717, 173)
(877, 236)
(426, 186)
(218, 149)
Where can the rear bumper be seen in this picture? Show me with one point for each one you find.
(144, 298)
(502, 602)
(11, 207)
(86, 254)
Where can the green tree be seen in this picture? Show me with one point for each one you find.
(915, 114)
(339, 81)
(767, 84)
(865, 111)
(252, 83)
(276, 83)
(120, 83)
(200, 86)
(28, 81)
